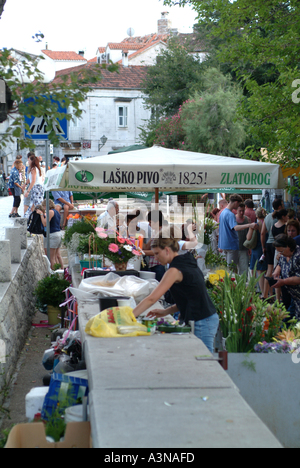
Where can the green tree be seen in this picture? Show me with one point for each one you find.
(169, 132)
(209, 119)
(265, 34)
(169, 83)
(2, 3)
(71, 91)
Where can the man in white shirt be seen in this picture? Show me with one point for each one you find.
(107, 220)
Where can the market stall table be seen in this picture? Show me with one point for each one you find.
(152, 392)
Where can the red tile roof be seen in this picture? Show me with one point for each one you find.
(140, 51)
(146, 40)
(60, 55)
(127, 78)
(121, 45)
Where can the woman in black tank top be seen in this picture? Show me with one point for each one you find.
(187, 285)
(280, 225)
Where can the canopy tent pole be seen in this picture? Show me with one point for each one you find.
(156, 195)
(47, 206)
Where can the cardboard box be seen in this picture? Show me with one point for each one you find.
(32, 435)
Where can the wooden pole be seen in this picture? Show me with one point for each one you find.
(156, 196)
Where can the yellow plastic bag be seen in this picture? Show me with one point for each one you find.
(114, 323)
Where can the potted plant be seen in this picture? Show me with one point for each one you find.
(50, 291)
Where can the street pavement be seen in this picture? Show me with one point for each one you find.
(6, 204)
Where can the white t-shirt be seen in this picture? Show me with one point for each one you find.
(38, 180)
(181, 244)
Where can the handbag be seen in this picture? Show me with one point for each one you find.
(252, 243)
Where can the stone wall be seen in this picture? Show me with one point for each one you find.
(17, 304)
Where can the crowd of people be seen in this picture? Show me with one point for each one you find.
(244, 236)
(250, 240)
(28, 180)
(267, 244)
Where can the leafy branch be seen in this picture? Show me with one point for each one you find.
(31, 96)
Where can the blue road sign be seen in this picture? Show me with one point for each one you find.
(38, 125)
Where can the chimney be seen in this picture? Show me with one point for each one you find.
(81, 52)
(125, 58)
(163, 24)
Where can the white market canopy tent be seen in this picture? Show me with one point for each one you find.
(163, 169)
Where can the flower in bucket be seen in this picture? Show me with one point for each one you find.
(114, 247)
(213, 278)
(110, 244)
(244, 316)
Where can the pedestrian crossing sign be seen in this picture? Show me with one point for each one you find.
(38, 125)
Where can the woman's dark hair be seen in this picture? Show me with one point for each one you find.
(156, 216)
(283, 241)
(35, 163)
(280, 214)
(132, 216)
(277, 203)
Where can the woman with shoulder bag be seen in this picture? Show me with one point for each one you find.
(257, 258)
(55, 232)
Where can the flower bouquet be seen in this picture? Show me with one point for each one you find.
(282, 347)
(111, 245)
(245, 320)
(286, 341)
(91, 219)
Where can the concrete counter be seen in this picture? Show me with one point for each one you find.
(152, 392)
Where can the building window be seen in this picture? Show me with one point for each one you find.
(123, 116)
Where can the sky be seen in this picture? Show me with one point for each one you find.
(73, 25)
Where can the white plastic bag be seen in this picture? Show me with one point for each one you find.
(201, 260)
(114, 285)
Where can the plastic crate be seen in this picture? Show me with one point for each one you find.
(89, 264)
(91, 273)
(64, 391)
